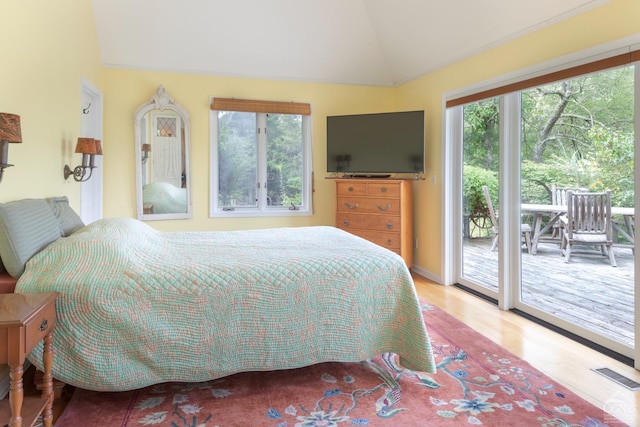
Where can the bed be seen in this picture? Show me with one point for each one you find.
(139, 306)
(165, 197)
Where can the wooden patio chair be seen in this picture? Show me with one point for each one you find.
(559, 198)
(588, 222)
(525, 229)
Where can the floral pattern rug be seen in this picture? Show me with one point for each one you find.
(477, 383)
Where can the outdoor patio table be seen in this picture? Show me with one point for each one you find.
(556, 211)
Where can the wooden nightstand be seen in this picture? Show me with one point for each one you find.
(25, 320)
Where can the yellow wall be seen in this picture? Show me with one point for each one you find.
(47, 48)
(612, 21)
(126, 90)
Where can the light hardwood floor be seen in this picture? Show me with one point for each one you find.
(561, 358)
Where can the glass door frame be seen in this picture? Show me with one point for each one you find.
(509, 254)
(509, 268)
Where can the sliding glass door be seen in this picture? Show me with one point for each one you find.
(578, 136)
(526, 150)
(480, 126)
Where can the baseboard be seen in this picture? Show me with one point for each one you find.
(426, 274)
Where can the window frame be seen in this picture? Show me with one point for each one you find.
(262, 209)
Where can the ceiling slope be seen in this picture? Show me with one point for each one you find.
(368, 42)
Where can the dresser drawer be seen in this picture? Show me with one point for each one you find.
(40, 325)
(383, 189)
(386, 240)
(351, 188)
(348, 220)
(378, 210)
(372, 189)
(369, 205)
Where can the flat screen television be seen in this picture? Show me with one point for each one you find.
(376, 144)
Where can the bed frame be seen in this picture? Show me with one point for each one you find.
(7, 283)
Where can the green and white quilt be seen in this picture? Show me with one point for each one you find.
(140, 306)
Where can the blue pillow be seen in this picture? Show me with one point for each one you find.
(69, 220)
(26, 227)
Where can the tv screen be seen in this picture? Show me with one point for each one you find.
(381, 143)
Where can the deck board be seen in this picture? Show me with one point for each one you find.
(587, 291)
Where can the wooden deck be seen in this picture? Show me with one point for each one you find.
(587, 291)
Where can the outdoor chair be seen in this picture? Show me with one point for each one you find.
(588, 223)
(559, 198)
(525, 229)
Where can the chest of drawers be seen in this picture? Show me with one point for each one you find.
(379, 210)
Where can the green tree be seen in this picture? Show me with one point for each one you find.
(481, 133)
(237, 150)
(557, 119)
(284, 159)
(577, 132)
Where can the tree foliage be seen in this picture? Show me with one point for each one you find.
(238, 159)
(577, 132)
(284, 159)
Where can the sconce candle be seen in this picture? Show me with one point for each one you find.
(146, 148)
(10, 132)
(89, 148)
(98, 153)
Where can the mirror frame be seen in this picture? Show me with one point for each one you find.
(162, 101)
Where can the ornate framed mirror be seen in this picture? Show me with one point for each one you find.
(162, 146)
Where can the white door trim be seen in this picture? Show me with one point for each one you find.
(91, 191)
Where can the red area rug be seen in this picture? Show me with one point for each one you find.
(477, 383)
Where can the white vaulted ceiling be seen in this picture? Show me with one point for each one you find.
(371, 42)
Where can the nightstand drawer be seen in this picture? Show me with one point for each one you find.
(347, 221)
(369, 205)
(40, 325)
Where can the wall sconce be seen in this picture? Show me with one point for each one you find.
(10, 132)
(146, 148)
(89, 148)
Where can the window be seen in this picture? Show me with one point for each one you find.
(260, 158)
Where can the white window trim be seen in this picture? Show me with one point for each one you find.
(215, 211)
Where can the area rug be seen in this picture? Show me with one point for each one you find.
(477, 383)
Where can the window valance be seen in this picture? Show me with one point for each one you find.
(256, 106)
(566, 74)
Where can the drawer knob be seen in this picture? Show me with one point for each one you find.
(383, 190)
(389, 226)
(382, 208)
(350, 188)
(350, 206)
(43, 325)
(389, 242)
(345, 223)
